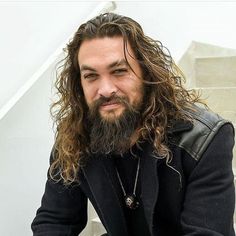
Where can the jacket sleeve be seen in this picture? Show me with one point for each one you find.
(63, 211)
(209, 201)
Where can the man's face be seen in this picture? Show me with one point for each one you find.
(105, 74)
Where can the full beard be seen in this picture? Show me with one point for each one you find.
(112, 136)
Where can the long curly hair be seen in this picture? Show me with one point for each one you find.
(165, 101)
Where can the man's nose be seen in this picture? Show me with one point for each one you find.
(107, 87)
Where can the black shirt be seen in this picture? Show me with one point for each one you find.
(127, 168)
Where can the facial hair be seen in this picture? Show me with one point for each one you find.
(112, 136)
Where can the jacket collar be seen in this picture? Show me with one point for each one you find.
(180, 126)
(149, 183)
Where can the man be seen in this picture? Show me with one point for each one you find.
(133, 141)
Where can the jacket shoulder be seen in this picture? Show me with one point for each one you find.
(204, 127)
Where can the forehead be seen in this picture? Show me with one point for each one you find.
(103, 51)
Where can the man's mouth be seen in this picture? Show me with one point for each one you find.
(110, 105)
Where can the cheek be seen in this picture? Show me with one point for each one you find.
(86, 98)
(136, 93)
(88, 94)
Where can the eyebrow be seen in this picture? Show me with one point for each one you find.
(121, 62)
(110, 66)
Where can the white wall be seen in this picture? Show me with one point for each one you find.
(25, 142)
(30, 33)
(177, 23)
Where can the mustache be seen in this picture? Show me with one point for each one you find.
(93, 111)
(112, 99)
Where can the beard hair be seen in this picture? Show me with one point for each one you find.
(112, 136)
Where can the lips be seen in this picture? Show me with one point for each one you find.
(110, 105)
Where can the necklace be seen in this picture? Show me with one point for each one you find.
(130, 199)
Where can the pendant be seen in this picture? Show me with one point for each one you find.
(131, 201)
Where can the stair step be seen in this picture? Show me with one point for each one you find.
(199, 49)
(97, 227)
(215, 72)
(215, 63)
(221, 100)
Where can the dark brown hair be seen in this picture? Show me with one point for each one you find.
(165, 102)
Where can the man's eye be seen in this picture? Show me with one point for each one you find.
(120, 71)
(90, 76)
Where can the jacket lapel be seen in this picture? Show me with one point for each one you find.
(98, 174)
(149, 184)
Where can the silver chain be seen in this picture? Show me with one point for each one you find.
(136, 179)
